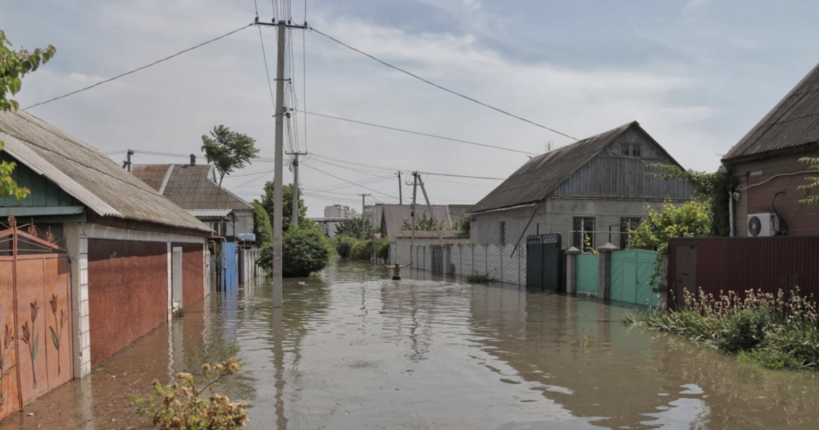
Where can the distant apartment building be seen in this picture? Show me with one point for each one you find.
(338, 211)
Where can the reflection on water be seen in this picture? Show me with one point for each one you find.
(352, 349)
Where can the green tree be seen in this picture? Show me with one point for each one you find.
(464, 224)
(812, 181)
(14, 66)
(261, 224)
(305, 250)
(345, 245)
(423, 223)
(352, 227)
(228, 150)
(287, 205)
(711, 188)
(689, 220)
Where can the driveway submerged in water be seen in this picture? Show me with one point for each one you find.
(354, 350)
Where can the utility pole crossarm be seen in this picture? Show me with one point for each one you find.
(296, 186)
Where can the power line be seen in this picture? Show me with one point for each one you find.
(342, 179)
(441, 87)
(140, 68)
(426, 173)
(463, 176)
(418, 133)
(266, 69)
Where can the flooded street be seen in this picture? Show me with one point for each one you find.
(354, 350)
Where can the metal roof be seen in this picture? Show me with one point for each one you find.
(543, 173)
(191, 187)
(87, 174)
(792, 123)
(430, 234)
(209, 213)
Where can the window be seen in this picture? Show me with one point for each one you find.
(583, 238)
(631, 149)
(626, 224)
(502, 231)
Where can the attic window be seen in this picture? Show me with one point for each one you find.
(630, 149)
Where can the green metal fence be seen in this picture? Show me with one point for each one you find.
(588, 268)
(630, 272)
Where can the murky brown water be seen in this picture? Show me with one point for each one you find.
(352, 350)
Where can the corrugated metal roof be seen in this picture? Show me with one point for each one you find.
(191, 187)
(543, 173)
(87, 174)
(153, 175)
(792, 123)
(394, 216)
(209, 212)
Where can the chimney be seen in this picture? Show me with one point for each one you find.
(193, 160)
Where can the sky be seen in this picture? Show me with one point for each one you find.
(697, 75)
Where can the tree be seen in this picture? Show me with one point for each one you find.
(812, 181)
(305, 250)
(711, 188)
(228, 150)
(352, 227)
(464, 224)
(14, 65)
(423, 223)
(287, 205)
(689, 220)
(261, 224)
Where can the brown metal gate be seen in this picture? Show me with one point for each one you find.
(35, 316)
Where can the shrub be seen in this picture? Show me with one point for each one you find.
(382, 249)
(776, 331)
(182, 405)
(305, 250)
(477, 278)
(344, 245)
(363, 250)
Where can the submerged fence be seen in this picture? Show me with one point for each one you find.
(493, 261)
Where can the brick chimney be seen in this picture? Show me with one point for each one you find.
(193, 160)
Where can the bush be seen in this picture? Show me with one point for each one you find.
(382, 249)
(477, 278)
(305, 250)
(181, 404)
(344, 245)
(775, 331)
(363, 250)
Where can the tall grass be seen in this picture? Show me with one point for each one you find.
(778, 331)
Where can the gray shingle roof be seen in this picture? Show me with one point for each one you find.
(190, 187)
(792, 123)
(87, 174)
(543, 173)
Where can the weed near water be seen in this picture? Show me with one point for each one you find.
(477, 278)
(775, 331)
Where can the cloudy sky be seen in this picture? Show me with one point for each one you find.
(697, 75)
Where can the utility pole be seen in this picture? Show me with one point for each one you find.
(362, 215)
(429, 208)
(412, 212)
(281, 111)
(296, 186)
(400, 193)
(127, 163)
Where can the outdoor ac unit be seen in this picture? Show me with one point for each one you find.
(763, 225)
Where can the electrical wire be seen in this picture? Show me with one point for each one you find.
(418, 133)
(439, 86)
(266, 69)
(342, 179)
(140, 68)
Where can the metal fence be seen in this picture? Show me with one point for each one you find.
(492, 261)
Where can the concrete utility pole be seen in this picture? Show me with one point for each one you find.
(429, 208)
(362, 215)
(412, 212)
(400, 193)
(296, 186)
(281, 110)
(127, 163)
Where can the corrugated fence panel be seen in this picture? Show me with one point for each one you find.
(741, 264)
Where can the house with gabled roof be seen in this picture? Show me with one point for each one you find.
(598, 187)
(117, 257)
(767, 167)
(194, 188)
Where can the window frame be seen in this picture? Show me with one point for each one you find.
(628, 223)
(580, 233)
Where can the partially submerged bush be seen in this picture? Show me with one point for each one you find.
(344, 245)
(477, 278)
(776, 331)
(305, 250)
(183, 405)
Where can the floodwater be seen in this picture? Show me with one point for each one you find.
(353, 350)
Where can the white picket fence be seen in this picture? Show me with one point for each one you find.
(493, 261)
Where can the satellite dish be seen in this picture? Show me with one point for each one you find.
(754, 226)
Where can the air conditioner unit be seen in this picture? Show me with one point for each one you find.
(763, 224)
